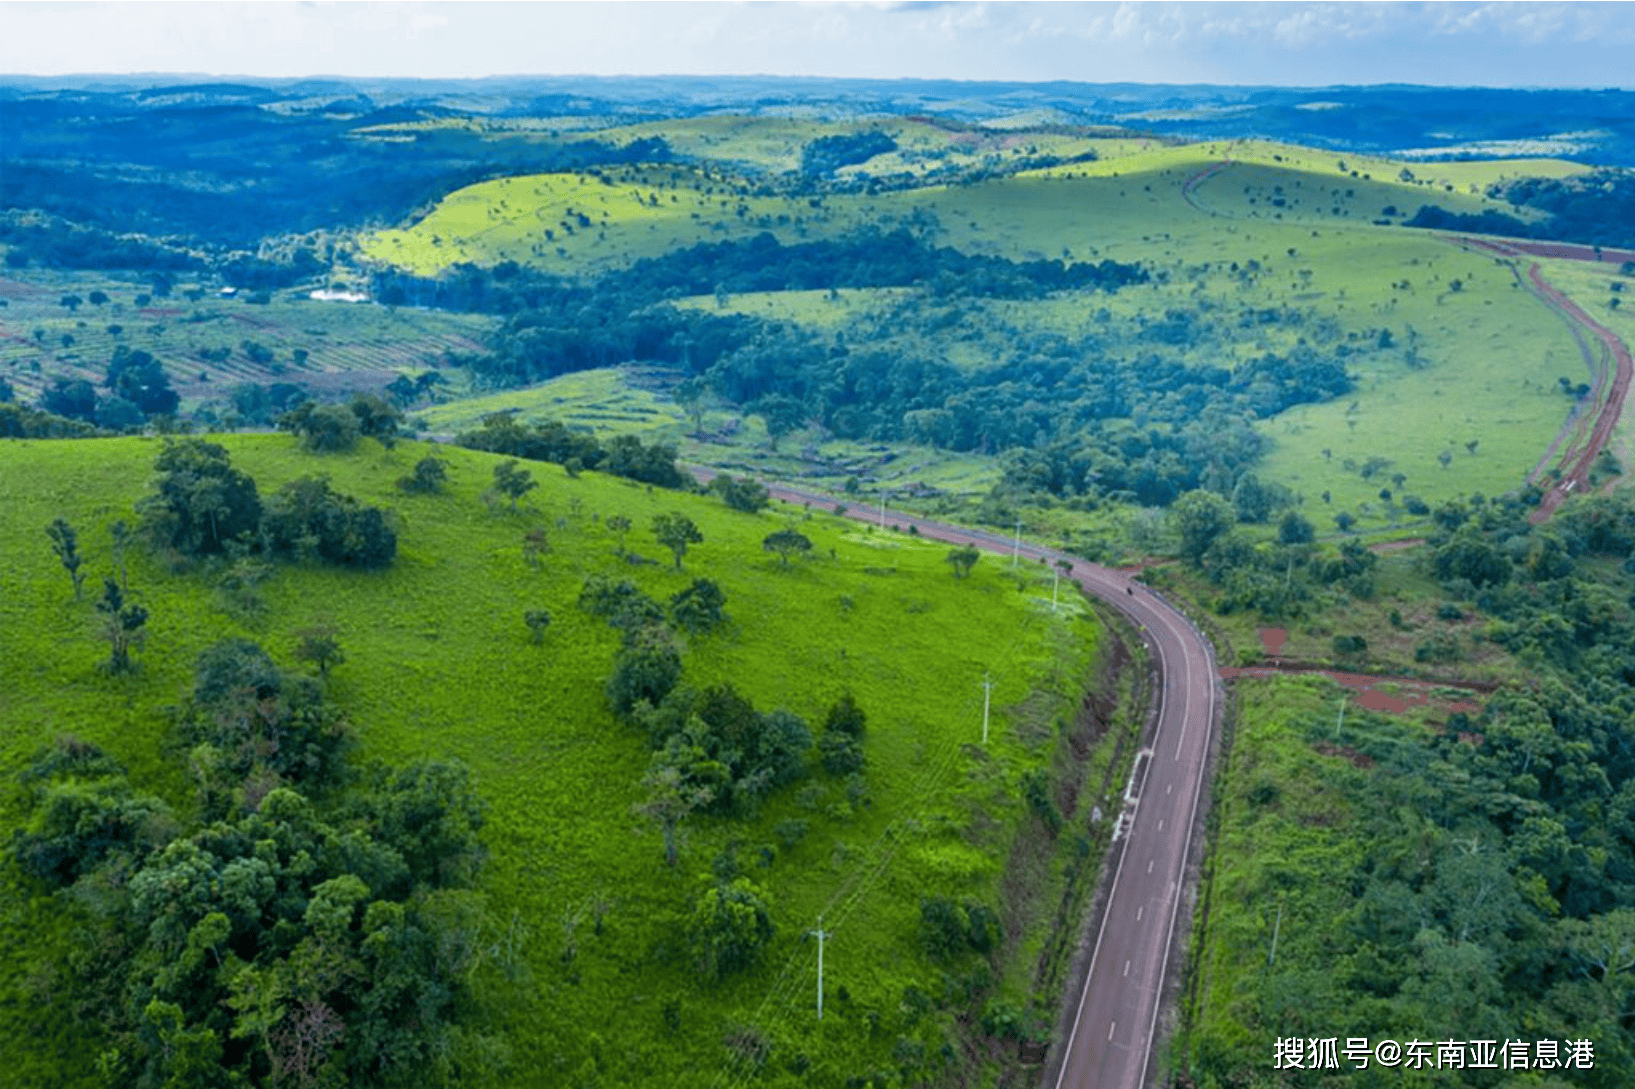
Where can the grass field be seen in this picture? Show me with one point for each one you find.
(1473, 357)
(607, 401)
(348, 346)
(1269, 861)
(439, 665)
(570, 223)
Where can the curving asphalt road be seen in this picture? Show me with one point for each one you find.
(1114, 1026)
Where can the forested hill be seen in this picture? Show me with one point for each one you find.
(234, 161)
(1594, 125)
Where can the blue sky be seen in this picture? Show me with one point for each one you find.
(1297, 44)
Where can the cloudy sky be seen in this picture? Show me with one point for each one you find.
(1300, 43)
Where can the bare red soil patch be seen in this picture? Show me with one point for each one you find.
(1410, 691)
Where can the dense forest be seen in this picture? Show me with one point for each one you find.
(1468, 883)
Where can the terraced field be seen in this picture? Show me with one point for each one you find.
(342, 346)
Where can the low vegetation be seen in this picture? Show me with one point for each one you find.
(737, 766)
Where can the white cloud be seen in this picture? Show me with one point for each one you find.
(1539, 43)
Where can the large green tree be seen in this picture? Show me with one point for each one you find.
(202, 502)
(1199, 517)
(676, 531)
(730, 926)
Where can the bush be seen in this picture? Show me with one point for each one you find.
(307, 518)
(203, 503)
(429, 475)
(840, 754)
(323, 428)
(646, 669)
(1346, 645)
(730, 926)
(1441, 647)
(700, 607)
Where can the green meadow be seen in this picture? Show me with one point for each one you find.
(1472, 356)
(439, 664)
(611, 400)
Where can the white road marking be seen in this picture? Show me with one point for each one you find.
(1138, 912)
(1168, 789)
(1126, 967)
(1149, 865)
(1111, 1025)
(1160, 826)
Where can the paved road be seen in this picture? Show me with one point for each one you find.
(1111, 1038)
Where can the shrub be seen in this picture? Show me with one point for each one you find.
(308, 518)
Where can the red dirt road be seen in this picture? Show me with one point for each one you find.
(1581, 440)
(1575, 470)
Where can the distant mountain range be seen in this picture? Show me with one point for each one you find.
(1417, 122)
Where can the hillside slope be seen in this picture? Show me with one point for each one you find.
(439, 663)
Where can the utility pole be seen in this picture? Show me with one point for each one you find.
(1339, 721)
(1016, 546)
(1055, 582)
(882, 508)
(821, 934)
(987, 696)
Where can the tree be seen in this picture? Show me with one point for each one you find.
(123, 624)
(1345, 520)
(745, 494)
(534, 546)
(1468, 556)
(692, 395)
(65, 544)
(376, 419)
(671, 799)
(786, 543)
(537, 620)
(781, 413)
(676, 531)
(97, 298)
(1252, 501)
(1200, 517)
(114, 413)
(1444, 457)
(513, 482)
(1294, 529)
(618, 525)
(963, 559)
(121, 534)
(309, 519)
(320, 646)
(74, 398)
(137, 377)
(72, 302)
(729, 928)
(840, 747)
(646, 668)
(430, 473)
(202, 502)
(700, 607)
(323, 428)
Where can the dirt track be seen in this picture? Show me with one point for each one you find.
(1581, 440)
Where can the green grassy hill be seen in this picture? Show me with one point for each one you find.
(439, 663)
(1225, 227)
